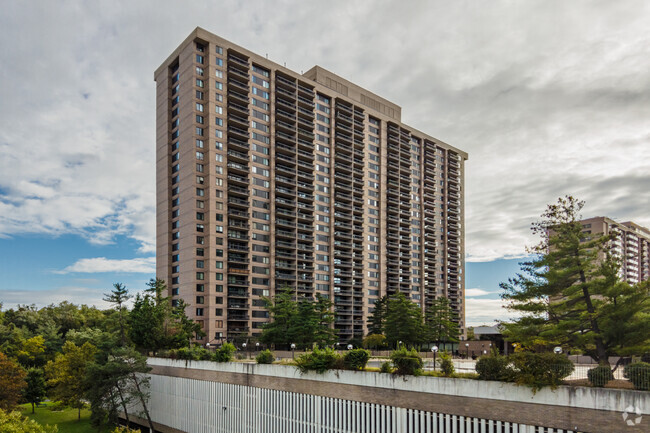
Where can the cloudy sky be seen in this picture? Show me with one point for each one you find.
(547, 97)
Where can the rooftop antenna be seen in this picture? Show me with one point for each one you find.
(267, 56)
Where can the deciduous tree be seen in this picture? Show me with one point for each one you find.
(65, 374)
(12, 382)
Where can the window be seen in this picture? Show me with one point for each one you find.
(261, 104)
(200, 276)
(199, 83)
(260, 115)
(261, 71)
(199, 311)
(260, 137)
(260, 81)
(260, 92)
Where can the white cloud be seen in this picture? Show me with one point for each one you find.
(41, 298)
(547, 98)
(477, 292)
(486, 311)
(102, 264)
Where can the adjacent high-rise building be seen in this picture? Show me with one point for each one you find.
(631, 246)
(269, 179)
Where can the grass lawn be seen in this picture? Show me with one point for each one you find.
(65, 419)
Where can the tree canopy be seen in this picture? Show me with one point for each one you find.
(305, 322)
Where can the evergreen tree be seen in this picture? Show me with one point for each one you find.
(570, 294)
(376, 320)
(403, 321)
(441, 322)
(325, 335)
(118, 297)
(34, 392)
(282, 310)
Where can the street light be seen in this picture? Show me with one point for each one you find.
(257, 346)
(243, 345)
(434, 349)
(557, 350)
(467, 349)
(293, 347)
(350, 347)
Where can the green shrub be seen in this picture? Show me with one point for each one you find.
(446, 365)
(386, 367)
(492, 367)
(599, 376)
(265, 357)
(224, 353)
(374, 341)
(406, 361)
(538, 370)
(356, 359)
(639, 374)
(194, 353)
(319, 360)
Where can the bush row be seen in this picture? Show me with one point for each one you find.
(536, 370)
(321, 360)
(225, 353)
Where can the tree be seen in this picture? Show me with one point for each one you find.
(325, 334)
(155, 324)
(403, 321)
(12, 382)
(185, 328)
(116, 381)
(374, 341)
(15, 423)
(32, 352)
(35, 390)
(570, 295)
(65, 374)
(146, 322)
(282, 310)
(441, 322)
(118, 297)
(377, 317)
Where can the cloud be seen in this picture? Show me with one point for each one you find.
(145, 265)
(486, 312)
(546, 100)
(477, 292)
(41, 298)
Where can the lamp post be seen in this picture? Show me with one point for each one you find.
(434, 349)
(557, 350)
(293, 347)
(350, 347)
(243, 345)
(467, 350)
(257, 346)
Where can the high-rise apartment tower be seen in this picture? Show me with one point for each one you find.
(268, 179)
(631, 246)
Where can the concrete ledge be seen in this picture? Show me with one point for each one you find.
(570, 408)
